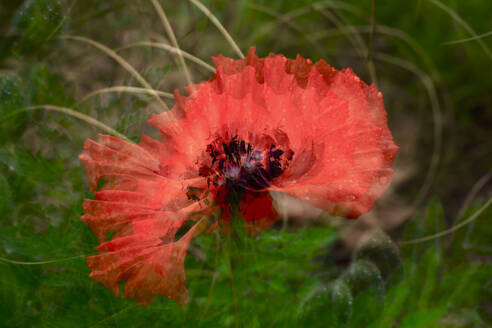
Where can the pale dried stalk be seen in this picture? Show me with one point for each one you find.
(111, 53)
(71, 112)
(127, 89)
(172, 37)
(172, 49)
(219, 26)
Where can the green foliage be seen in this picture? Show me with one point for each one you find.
(34, 85)
(34, 24)
(274, 279)
(11, 100)
(283, 277)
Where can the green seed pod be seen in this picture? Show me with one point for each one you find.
(378, 248)
(327, 306)
(363, 275)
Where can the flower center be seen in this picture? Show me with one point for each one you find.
(238, 166)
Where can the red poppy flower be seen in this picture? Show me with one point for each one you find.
(258, 124)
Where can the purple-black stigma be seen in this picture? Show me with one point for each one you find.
(239, 166)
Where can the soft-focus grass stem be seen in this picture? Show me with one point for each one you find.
(219, 26)
(465, 25)
(172, 49)
(450, 230)
(71, 112)
(111, 53)
(172, 37)
(125, 89)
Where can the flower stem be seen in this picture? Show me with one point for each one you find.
(199, 228)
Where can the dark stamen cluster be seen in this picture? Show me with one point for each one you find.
(238, 166)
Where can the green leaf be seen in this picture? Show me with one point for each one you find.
(427, 281)
(393, 305)
(6, 203)
(424, 318)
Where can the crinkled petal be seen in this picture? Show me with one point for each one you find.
(148, 268)
(138, 210)
(329, 126)
(335, 124)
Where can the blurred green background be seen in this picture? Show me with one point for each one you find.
(311, 270)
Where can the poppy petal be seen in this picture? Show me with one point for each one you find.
(258, 124)
(257, 210)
